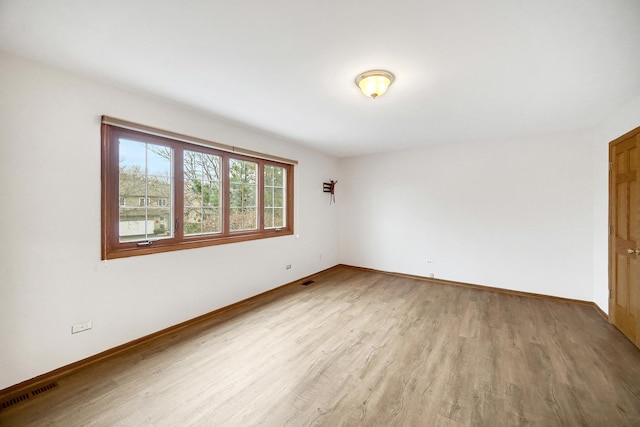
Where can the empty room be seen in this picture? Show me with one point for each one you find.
(290, 213)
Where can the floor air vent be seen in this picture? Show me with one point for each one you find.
(43, 389)
(24, 396)
(307, 282)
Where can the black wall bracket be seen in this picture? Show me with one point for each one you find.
(330, 187)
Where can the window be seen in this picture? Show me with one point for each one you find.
(162, 194)
(243, 195)
(275, 202)
(202, 193)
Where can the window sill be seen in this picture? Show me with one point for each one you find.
(191, 243)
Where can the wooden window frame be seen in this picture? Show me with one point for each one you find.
(112, 248)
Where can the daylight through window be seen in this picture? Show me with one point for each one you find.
(162, 194)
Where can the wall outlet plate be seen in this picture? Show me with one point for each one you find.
(81, 327)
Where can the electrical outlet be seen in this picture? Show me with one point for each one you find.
(81, 327)
(288, 267)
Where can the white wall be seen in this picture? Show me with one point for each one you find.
(625, 119)
(50, 271)
(512, 214)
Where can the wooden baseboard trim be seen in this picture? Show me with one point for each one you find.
(600, 311)
(36, 382)
(480, 287)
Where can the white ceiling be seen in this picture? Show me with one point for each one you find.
(466, 70)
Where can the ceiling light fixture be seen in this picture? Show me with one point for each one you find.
(374, 83)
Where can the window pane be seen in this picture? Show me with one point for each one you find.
(211, 193)
(201, 166)
(201, 221)
(133, 224)
(211, 167)
(192, 221)
(159, 191)
(243, 195)
(268, 218)
(159, 160)
(235, 219)
(192, 193)
(145, 185)
(161, 218)
(132, 156)
(268, 197)
(250, 197)
(268, 175)
(278, 197)
(211, 220)
(249, 220)
(278, 217)
(274, 196)
(278, 176)
(202, 193)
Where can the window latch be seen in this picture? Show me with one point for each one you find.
(146, 243)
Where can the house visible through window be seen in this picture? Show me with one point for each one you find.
(161, 194)
(142, 201)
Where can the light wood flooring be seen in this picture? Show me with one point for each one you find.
(359, 348)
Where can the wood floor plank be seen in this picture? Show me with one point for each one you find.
(360, 348)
